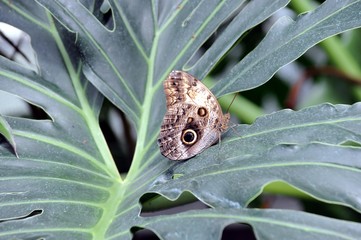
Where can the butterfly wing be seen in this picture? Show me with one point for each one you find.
(194, 119)
(181, 87)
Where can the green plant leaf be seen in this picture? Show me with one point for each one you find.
(65, 184)
(64, 166)
(273, 148)
(288, 40)
(251, 15)
(266, 223)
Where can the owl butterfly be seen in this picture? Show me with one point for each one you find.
(194, 120)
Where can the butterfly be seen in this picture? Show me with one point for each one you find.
(194, 119)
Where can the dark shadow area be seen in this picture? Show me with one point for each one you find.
(238, 231)
(143, 234)
(38, 113)
(32, 214)
(331, 210)
(4, 144)
(119, 134)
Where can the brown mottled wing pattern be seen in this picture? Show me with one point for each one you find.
(190, 107)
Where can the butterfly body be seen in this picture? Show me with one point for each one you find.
(194, 119)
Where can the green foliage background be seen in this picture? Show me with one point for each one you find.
(58, 177)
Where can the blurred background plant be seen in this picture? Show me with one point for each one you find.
(328, 72)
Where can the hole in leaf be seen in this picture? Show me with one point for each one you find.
(38, 113)
(143, 234)
(6, 146)
(154, 204)
(331, 210)
(119, 134)
(286, 197)
(32, 214)
(237, 231)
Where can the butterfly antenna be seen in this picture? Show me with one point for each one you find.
(235, 95)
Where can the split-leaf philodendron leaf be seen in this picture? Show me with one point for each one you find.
(58, 177)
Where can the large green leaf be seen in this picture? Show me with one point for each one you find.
(268, 224)
(65, 185)
(250, 161)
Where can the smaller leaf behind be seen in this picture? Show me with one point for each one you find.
(286, 41)
(266, 223)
